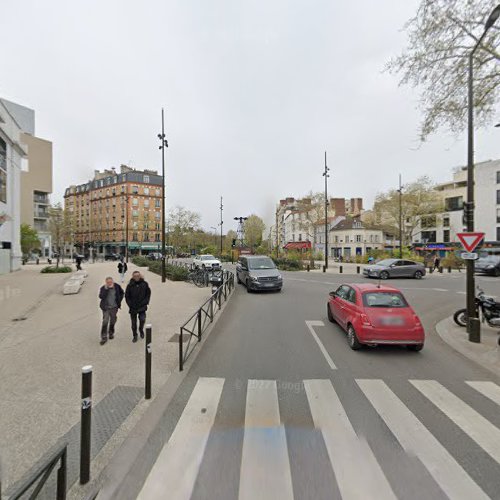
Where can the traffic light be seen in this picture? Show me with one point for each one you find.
(468, 216)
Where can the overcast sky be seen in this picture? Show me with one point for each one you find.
(254, 92)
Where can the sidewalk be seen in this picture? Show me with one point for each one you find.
(46, 338)
(486, 354)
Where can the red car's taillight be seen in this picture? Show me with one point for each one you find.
(365, 320)
(417, 320)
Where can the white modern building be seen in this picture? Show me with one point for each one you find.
(13, 159)
(439, 232)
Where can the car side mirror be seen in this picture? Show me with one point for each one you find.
(333, 294)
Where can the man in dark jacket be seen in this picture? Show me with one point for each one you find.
(111, 295)
(137, 296)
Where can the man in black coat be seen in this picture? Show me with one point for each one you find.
(111, 295)
(137, 296)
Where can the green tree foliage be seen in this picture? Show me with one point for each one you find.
(182, 224)
(440, 38)
(254, 228)
(419, 200)
(29, 239)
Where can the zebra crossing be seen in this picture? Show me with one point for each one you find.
(265, 467)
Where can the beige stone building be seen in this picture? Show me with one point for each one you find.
(36, 187)
(116, 211)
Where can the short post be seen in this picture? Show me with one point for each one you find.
(341, 269)
(357, 269)
(181, 361)
(449, 269)
(199, 325)
(440, 269)
(148, 355)
(308, 267)
(475, 330)
(431, 269)
(61, 476)
(324, 268)
(85, 427)
(211, 309)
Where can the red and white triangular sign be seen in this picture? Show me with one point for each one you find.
(470, 240)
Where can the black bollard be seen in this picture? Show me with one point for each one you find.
(449, 269)
(357, 269)
(341, 269)
(85, 427)
(147, 352)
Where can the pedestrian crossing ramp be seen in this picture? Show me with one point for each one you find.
(266, 456)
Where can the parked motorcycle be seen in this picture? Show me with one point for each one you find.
(487, 307)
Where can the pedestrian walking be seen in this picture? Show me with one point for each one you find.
(78, 261)
(111, 295)
(137, 296)
(437, 261)
(122, 269)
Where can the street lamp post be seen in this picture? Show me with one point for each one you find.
(221, 224)
(215, 235)
(163, 145)
(326, 175)
(126, 227)
(474, 331)
(400, 191)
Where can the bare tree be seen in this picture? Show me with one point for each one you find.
(440, 38)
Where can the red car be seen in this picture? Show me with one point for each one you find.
(375, 315)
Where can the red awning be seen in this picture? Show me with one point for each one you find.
(297, 245)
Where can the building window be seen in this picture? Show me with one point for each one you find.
(498, 233)
(498, 216)
(346, 239)
(453, 204)
(429, 236)
(135, 213)
(146, 191)
(157, 215)
(498, 196)
(158, 227)
(300, 236)
(157, 192)
(135, 189)
(428, 221)
(358, 238)
(158, 203)
(135, 202)
(446, 236)
(498, 180)
(446, 221)
(123, 188)
(157, 237)
(135, 237)
(146, 179)
(146, 203)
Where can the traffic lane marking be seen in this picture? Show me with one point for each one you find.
(310, 326)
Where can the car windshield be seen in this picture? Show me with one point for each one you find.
(261, 263)
(207, 257)
(386, 262)
(384, 299)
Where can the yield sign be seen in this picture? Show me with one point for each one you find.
(470, 240)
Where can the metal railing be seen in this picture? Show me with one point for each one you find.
(43, 473)
(197, 324)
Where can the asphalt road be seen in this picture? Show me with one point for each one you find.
(277, 407)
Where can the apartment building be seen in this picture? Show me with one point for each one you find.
(439, 231)
(351, 237)
(116, 211)
(13, 158)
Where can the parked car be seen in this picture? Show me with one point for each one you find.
(154, 256)
(375, 315)
(112, 256)
(258, 272)
(489, 264)
(395, 268)
(206, 262)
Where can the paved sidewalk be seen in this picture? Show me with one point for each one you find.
(486, 353)
(45, 339)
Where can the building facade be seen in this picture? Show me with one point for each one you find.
(116, 211)
(36, 188)
(13, 158)
(439, 231)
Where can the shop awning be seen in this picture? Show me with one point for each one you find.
(297, 245)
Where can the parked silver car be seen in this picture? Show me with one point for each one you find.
(395, 268)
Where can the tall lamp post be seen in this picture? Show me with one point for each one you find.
(221, 224)
(215, 235)
(326, 175)
(163, 145)
(400, 191)
(473, 325)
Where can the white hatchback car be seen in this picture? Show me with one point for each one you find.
(207, 262)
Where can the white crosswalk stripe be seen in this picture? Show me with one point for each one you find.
(488, 389)
(265, 472)
(175, 471)
(265, 469)
(415, 438)
(344, 447)
(484, 433)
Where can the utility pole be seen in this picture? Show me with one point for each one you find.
(277, 236)
(326, 175)
(400, 191)
(221, 224)
(473, 324)
(164, 144)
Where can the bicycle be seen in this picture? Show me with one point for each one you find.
(198, 277)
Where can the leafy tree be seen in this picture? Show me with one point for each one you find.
(419, 200)
(61, 227)
(182, 224)
(440, 38)
(29, 239)
(254, 227)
